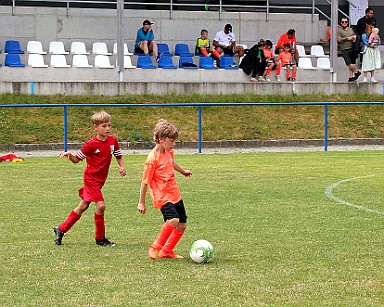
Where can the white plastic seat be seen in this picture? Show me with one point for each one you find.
(100, 48)
(318, 51)
(323, 63)
(301, 51)
(80, 60)
(102, 61)
(58, 60)
(78, 48)
(126, 52)
(306, 63)
(36, 60)
(57, 48)
(127, 62)
(35, 47)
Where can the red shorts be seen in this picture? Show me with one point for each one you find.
(91, 193)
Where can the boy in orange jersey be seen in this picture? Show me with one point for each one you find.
(165, 194)
(98, 153)
(272, 63)
(285, 60)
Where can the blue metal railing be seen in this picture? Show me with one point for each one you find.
(199, 107)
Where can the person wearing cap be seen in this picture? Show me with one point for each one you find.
(225, 42)
(288, 38)
(145, 40)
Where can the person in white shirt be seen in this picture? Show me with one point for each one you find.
(225, 42)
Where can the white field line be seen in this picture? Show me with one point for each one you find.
(329, 193)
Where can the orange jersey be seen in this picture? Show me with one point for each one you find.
(159, 174)
(268, 54)
(285, 58)
(285, 40)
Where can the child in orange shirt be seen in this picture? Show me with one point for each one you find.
(272, 63)
(165, 194)
(285, 60)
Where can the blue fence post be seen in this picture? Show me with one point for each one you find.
(200, 128)
(326, 127)
(65, 129)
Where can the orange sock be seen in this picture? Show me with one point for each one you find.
(204, 51)
(173, 239)
(70, 221)
(268, 72)
(294, 74)
(278, 70)
(216, 53)
(100, 226)
(165, 232)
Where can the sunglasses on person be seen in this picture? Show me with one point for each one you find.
(344, 21)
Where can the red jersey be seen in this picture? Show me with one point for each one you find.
(159, 174)
(98, 155)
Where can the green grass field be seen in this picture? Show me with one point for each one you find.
(279, 239)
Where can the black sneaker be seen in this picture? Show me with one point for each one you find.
(352, 79)
(357, 75)
(293, 79)
(105, 242)
(288, 79)
(59, 235)
(157, 59)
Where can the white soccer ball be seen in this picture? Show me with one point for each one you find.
(201, 251)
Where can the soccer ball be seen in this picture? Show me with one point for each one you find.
(201, 251)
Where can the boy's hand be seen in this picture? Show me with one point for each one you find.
(122, 171)
(141, 207)
(187, 173)
(64, 154)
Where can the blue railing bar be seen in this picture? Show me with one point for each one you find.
(65, 128)
(326, 127)
(203, 104)
(200, 129)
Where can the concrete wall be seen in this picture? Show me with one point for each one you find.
(92, 25)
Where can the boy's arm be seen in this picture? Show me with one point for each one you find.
(71, 157)
(122, 170)
(185, 172)
(143, 192)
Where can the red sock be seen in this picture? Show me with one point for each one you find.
(216, 53)
(204, 51)
(165, 232)
(70, 221)
(287, 75)
(294, 74)
(268, 72)
(100, 226)
(173, 239)
(278, 70)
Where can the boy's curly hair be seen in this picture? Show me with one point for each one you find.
(164, 129)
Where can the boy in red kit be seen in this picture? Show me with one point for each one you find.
(285, 60)
(98, 153)
(165, 194)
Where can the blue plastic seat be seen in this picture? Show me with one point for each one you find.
(163, 50)
(145, 61)
(187, 63)
(13, 60)
(182, 50)
(227, 62)
(13, 46)
(166, 62)
(206, 62)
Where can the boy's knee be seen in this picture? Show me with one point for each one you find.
(181, 227)
(174, 222)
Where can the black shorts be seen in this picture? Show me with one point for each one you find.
(349, 56)
(171, 211)
(138, 50)
(229, 51)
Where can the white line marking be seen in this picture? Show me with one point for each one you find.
(329, 193)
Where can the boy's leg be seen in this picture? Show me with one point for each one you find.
(73, 217)
(100, 237)
(164, 234)
(178, 231)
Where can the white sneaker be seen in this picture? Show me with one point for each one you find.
(373, 80)
(267, 78)
(278, 78)
(365, 80)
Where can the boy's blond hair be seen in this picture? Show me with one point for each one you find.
(100, 118)
(164, 129)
